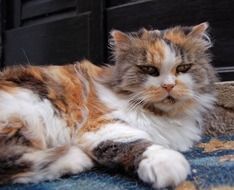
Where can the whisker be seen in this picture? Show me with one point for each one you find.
(24, 52)
(137, 102)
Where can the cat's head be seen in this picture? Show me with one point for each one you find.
(164, 70)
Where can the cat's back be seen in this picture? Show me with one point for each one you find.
(28, 76)
(46, 82)
(47, 99)
(52, 77)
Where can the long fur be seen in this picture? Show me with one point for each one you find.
(136, 114)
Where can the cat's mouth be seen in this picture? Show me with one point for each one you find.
(169, 100)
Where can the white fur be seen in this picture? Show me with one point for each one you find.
(178, 133)
(169, 80)
(169, 59)
(38, 115)
(118, 132)
(163, 167)
(74, 161)
(186, 79)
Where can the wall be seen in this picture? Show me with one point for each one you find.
(59, 31)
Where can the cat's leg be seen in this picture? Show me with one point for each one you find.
(24, 159)
(25, 165)
(23, 162)
(117, 144)
(52, 163)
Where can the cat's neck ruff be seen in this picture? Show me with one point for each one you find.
(177, 133)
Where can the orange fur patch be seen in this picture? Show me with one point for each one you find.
(7, 86)
(9, 128)
(180, 89)
(176, 36)
(155, 94)
(96, 109)
(92, 70)
(155, 53)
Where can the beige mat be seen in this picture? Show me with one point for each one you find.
(221, 119)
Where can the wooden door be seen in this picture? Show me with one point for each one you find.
(52, 31)
(130, 15)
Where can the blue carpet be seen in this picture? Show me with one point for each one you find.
(212, 163)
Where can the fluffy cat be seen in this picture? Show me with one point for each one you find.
(136, 114)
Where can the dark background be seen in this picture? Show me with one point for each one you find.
(60, 31)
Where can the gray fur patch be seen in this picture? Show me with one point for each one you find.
(118, 154)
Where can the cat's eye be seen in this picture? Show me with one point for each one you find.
(150, 70)
(183, 68)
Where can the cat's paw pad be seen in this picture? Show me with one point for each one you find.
(163, 167)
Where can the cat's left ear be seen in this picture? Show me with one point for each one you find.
(120, 40)
(199, 30)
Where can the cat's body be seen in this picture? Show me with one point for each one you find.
(59, 120)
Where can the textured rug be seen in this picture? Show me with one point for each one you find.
(212, 160)
(212, 163)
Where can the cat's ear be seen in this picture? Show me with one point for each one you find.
(142, 33)
(199, 30)
(119, 40)
(196, 31)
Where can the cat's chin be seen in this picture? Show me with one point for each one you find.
(169, 100)
(171, 105)
(168, 104)
(161, 107)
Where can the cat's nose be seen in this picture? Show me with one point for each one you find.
(168, 87)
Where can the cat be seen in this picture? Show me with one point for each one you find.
(137, 114)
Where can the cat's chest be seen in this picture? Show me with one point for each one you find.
(179, 134)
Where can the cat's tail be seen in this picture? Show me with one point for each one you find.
(23, 164)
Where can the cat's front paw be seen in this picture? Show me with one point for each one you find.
(163, 167)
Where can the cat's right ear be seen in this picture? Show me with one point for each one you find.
(119, 40)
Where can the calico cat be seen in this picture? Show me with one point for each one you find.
(136, 114)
